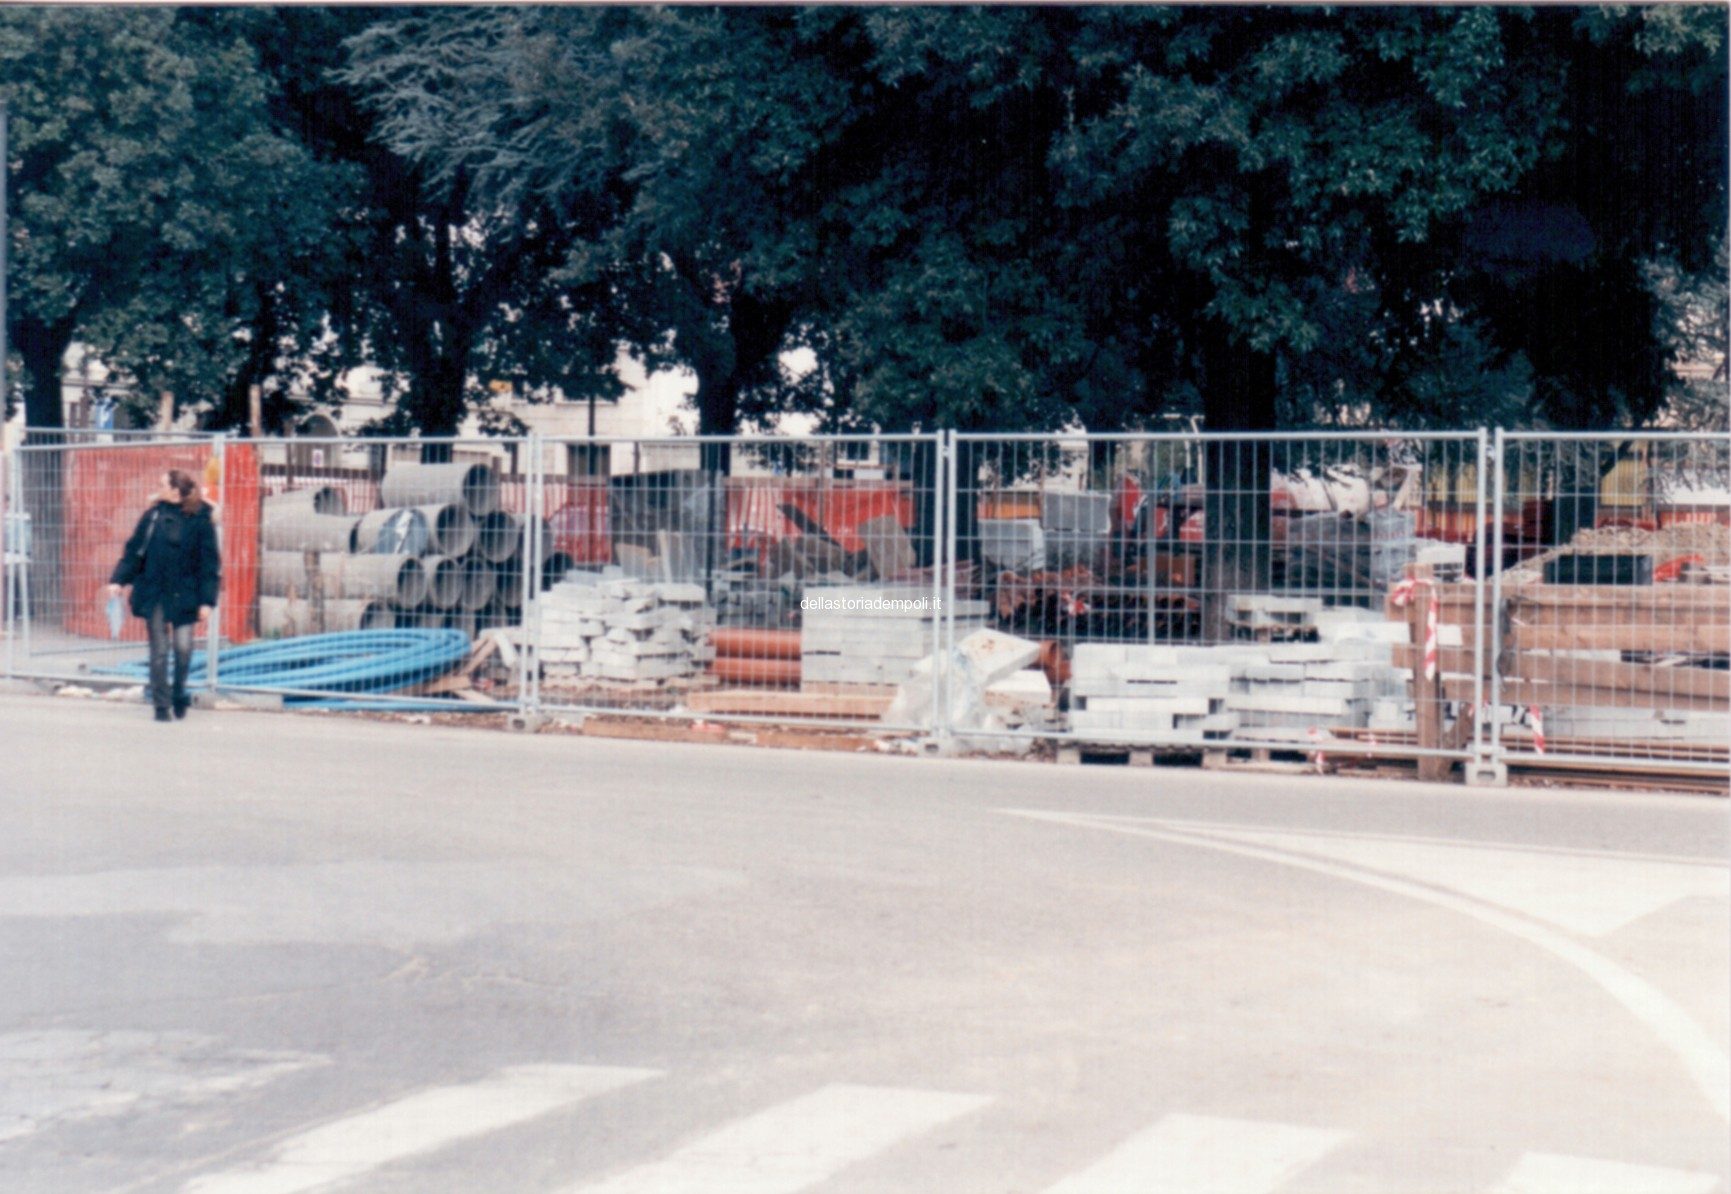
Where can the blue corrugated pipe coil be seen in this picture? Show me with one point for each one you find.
(351, 663)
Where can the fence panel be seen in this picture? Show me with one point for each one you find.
(419, 551)
(1613, 642)
(72, 507)
(1224, 593)
(751, 579)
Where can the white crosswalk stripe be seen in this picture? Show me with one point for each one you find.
(1549, 1173)
(420, 1123)
(794, 1145)
(1195, 1154)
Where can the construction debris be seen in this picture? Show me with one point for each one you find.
(596, 627)
(873, 635)
(1199, 696)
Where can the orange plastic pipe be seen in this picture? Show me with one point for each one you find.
(738, 643)
(756, 671)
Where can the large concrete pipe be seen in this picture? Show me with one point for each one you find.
(393, 531)
(450, 529)
(424, 618)
(474, 486)
(477, 585)
(283, 617)
(508, 586)
(323, 499)
(504, 536)
(500, 538)
(444, 581)
(298, 527)
(554, 570)
(399, 579)
(284, 574)
(467, 621)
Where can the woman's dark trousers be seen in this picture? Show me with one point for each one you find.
(161, 634)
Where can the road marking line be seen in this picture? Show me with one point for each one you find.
(1197, 1154)
(417, 1124)
(1591, 897)
(1704, 1060)
(794, 1145)
(1194, 826)
(1549, 1173)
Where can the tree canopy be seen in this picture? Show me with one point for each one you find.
(1022, 217)
(1037, 216)
(156, 216)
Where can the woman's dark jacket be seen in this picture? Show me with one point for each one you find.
(172, 560)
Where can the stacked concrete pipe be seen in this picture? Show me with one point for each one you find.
(478, 586)
(501, 537)
(398, 579)
(555, 567)
(444, 581)
(393, 530)
(291, 523)
(475, 487)
(323, 499)
(282, 617)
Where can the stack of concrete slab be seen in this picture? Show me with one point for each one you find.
(1200, 696)
(1012, 544)
(858, 634)
(1264, 616)
(1679, 726)
(615, 630)
(1135, 693)
(1076, 527)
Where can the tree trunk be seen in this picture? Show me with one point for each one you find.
(43, 347)
(440, 403)
(43, 478)
(1237, 555)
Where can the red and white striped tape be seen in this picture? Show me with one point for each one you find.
(1537, 721)
(1403, 594)
(1318, 736)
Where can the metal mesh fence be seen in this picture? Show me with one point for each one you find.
(751, 579)
(402, 546)
(1225, 593)
(1549, 602)
(70, 510)
(1614, 590)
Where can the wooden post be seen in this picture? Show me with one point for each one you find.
(165, 411)
(255, 411)
(1426, 691)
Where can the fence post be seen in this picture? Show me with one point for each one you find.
(534, 507)
(944, 580)
(6, 547)
(1479, 746)
(1494, 770)
(213, 632)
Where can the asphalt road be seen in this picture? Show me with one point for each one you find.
(259, 954)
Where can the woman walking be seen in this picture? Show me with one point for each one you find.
(174, 566)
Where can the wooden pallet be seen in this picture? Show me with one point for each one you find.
(675, 730)
(1119, 754)
(1266, 760)
(766, 702)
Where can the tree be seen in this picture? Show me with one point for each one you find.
(1272, 213)
(445, 282)
(149, 191)
(644, 133)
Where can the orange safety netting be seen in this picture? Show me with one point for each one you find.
(108, 489)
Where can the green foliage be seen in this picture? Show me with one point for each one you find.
(977, 217)
(156, 213)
